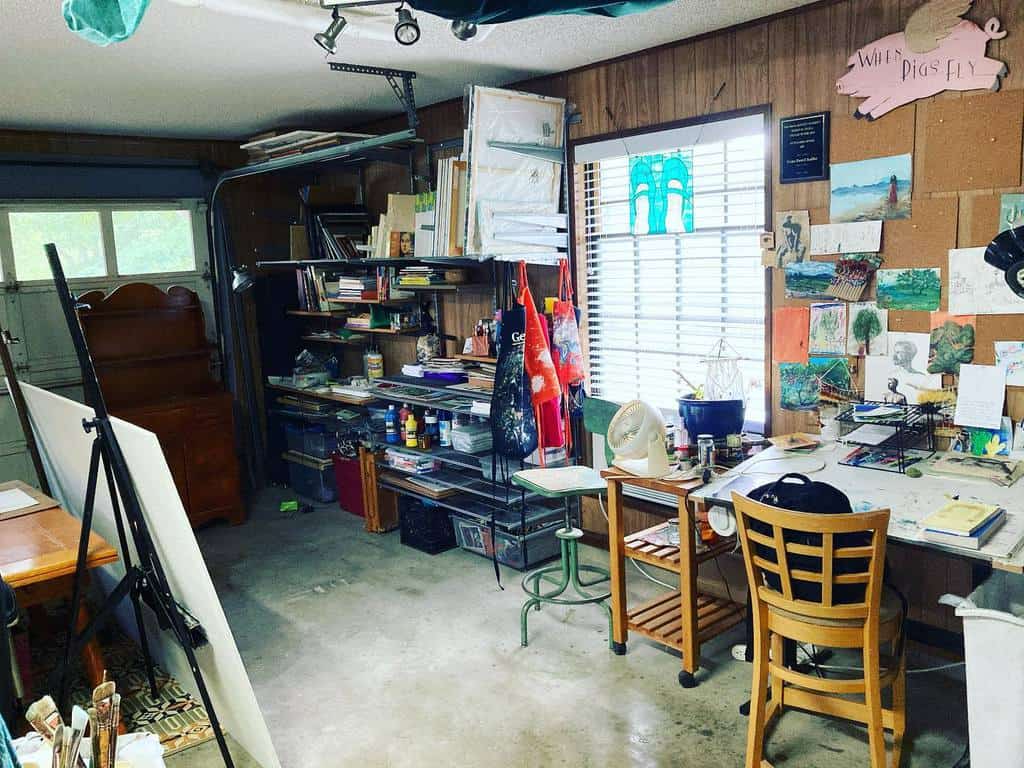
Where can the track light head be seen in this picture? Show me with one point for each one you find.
(328, 39)
(407, 29)
(241, 281)
(463, 30)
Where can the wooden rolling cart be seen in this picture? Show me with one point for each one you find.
(682, 619)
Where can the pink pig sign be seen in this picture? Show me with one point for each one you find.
(888, 73)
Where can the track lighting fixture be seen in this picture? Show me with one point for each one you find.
(328, 39)
(463, 30)
(407, 29)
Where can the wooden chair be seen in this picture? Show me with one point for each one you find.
(779, 613)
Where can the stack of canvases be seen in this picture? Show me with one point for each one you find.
(536, 374)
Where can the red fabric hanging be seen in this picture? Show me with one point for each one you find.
(540, 369)
(567, 350)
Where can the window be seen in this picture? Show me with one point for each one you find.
(99, 240)
(672, 231)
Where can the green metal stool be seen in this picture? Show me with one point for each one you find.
(565, 483)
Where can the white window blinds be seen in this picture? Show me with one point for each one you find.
(658, 302)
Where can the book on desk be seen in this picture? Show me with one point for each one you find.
(966, 524)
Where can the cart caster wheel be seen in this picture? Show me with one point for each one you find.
(745, 709)
(619, 649)
(687, 680)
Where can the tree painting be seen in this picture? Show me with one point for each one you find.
(914, 289)
(866, 326)
(828, 329)
(951, 343)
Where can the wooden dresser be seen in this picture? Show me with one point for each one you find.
(153, 362)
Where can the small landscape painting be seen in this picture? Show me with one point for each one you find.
(914, 289)
(827, 334)
(868, 331)
(870, 190)
(809, 279)
(951, 343)
(1011, 212)
(802, 384)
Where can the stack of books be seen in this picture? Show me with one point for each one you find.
(873, 413)
(340, 233)
(313, 290)
(964, 524)
(362, 288)
(419, 276)
(481, 376)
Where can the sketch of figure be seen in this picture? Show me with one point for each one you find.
(893, 396)
(792, 231)
(903, 354)
(900, 377)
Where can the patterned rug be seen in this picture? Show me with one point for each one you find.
(178, 720)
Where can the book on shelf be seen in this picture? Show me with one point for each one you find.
(312, 290)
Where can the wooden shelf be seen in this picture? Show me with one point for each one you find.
(304, 313)
(335, 340)
(385, 331)
(477, 359)
(667, 556)
(374, 302)
(661, 619)
(319, 395)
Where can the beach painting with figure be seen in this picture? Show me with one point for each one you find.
(902, 375)
(871, 190)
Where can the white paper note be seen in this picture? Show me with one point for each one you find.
(978, 288)
(15, 499)
(980, 395)
(857, 237)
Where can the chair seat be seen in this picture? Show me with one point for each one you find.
(890, 611)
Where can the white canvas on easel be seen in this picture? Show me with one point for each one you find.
(65, 449)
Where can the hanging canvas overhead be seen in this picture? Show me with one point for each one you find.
(938, 52)
(515, 143)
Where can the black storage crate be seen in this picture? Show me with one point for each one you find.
(425, 526)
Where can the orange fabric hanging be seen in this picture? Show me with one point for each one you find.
(540, 369)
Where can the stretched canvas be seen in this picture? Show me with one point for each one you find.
(952, 342)
(1011, 212)
(871, 190)
(1010, 355)
(809, 279)
(827, 335)
(978, 288)
(792, 237)
(868, 329)
(902, 375)
(661, 193)
(915, 289)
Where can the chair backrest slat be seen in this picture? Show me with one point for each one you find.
(788, 567)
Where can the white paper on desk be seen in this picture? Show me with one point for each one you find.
(1007, 540)
(980, 395)
(14, 499)
(870, 434)
(856, 237)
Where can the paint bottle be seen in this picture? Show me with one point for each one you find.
(410, 431)
(430, 423)
(391, 425)
(444, 429)
(373, 364)
(403, 416)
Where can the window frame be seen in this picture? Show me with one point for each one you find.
(196, 207)
(577, 223)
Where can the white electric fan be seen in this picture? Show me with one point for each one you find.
(636, 435)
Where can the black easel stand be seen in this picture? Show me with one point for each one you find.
(144, 580)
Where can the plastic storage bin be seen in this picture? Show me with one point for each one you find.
(293, 432)
(424, 526)
(319, 441)
(514, 550)
(993, 617)
(312, 478)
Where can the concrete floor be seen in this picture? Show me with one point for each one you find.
(367, 653)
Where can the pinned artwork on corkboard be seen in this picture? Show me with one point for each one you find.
(802, 385)
(938, 51)
(978, 288)
(913, 289)
(901, 376)
(827, 333)
(1010, 355)
(1011, 212)
(951, 343)
(792, 236)
(809, 279)
(790, 331)
(868, 331)
(872, 190)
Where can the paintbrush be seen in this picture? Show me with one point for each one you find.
(115, 716)
(44, 717)
(58, 746)
(79, 720)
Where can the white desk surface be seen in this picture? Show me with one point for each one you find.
(909, 499)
